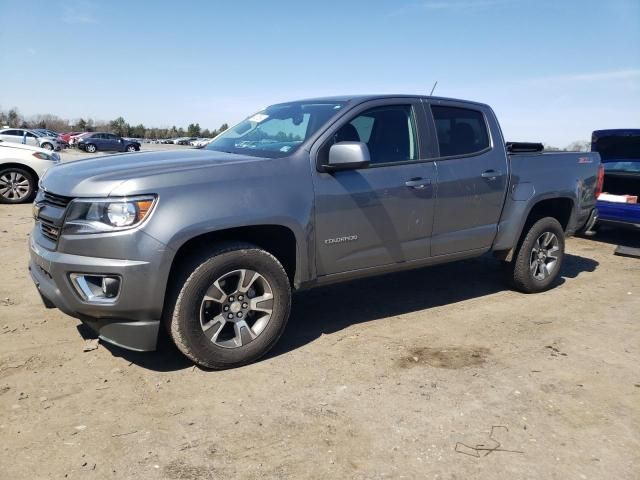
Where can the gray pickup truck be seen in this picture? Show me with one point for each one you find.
(211, 243)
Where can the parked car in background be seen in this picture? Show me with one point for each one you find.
(47, 132)
(29, 137)
(183, 140)
(53, 134)
(66, 137)
(106, 142)
(212, 242)
(74, 139)
(619, 150)
(21, 167)
(201, 142)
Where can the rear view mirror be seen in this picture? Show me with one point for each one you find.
(348, 155)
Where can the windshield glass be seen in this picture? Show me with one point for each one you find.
(276, 131)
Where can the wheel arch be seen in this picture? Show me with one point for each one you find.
(279, 240)
(559, 207)
(23, 167)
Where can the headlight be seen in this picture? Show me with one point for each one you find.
(45, 156)
(107, 214)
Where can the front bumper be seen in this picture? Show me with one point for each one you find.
(131, 322)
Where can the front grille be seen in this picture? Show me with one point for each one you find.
(49, 230)
(56, 200)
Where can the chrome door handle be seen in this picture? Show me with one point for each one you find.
(491, 174)
(418, 183)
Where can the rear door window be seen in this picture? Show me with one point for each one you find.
(461, 131)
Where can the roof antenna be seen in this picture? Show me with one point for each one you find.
(434, 87)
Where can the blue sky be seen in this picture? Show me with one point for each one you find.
(553, 70)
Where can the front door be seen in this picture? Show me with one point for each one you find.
(382, 214)
(472, 179)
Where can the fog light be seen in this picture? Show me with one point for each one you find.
(96, 288)
(110, 286)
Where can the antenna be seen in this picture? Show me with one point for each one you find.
(434, 87)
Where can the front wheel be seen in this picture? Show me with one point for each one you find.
(132, 148)
(47, 146)
(539, 258)
(91, 148)
(16, 185)
(230, 307)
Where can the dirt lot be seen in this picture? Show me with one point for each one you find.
(375, 379)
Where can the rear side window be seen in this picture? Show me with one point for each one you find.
(461, 131)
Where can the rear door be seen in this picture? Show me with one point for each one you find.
(114, 142)
(380, 215)
(472, 176)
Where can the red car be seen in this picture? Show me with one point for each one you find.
(67, 136)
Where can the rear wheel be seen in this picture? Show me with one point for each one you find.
(539, 258)
(230, 307)
(16, 185)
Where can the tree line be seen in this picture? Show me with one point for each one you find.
(118, 126)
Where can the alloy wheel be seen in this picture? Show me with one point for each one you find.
(544, 256)
(236, 308)
(14, 186)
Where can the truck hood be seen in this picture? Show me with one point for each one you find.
(100, 176)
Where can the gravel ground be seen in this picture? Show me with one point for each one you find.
(436, 373)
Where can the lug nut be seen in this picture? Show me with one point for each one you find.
(231, 299)
(226, 308)
(245, 305)
(239, 314)
(240, 297)
(230, 316)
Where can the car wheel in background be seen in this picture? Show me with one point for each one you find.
(229, 305)
(90, 147)
(539, 259)
(47, 146)
(132, 148)
(16, 185)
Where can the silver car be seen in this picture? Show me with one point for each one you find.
(30, 137)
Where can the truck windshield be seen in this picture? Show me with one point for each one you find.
(276, 131)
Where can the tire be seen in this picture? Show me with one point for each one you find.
(132, 148)
(47, 146)
(538, 261)
(90, 147)
(16, 185)
(211, 332)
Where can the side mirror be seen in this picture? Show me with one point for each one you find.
(348, 155)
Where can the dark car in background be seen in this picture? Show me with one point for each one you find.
(107, 142)
(619, 151)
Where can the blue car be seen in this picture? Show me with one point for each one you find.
(620, 154)
(107, 142)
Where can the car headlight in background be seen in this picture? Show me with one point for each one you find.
(107, 214)
(53, 157)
